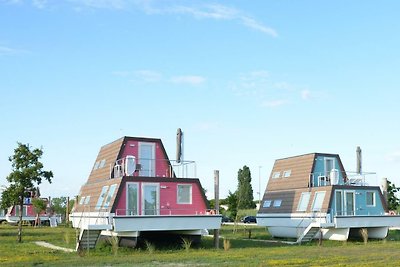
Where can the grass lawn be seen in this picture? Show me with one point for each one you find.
(242, 252)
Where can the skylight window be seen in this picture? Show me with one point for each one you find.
(82, 201)
(267, 203)
(276, 175)
(96, 165)
(87, 199)
(102, 163)
(287, 173)
(102, 196)
(318, 200)
(109, 195)
(277, 203)
(303, 203)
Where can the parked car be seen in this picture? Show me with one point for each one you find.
(226, 219)
(249, 219)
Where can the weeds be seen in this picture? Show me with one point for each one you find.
(150, 247)
(186, 244)
(227, 244)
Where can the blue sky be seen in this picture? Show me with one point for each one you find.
(248, 82)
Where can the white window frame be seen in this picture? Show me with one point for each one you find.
(320, 203)
(287, 173)
(128, 212)
(341, 200)
(304, 195)
(373, 199)
(276, 175)
(277, 203)
(87, 199)
(82, 200)
(190, 192)
(96, 165)
(101, 198)
(109, 196)
(267, 203)
(157, 197)
(326, 159)
(102, 163)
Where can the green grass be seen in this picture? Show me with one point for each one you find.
(242, 252)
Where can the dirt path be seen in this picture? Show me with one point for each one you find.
(48, 245)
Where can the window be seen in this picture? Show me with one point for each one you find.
(96, 165)
(184, 195)
(102, 163)
(287, 173)
(318, 200)
(267, 203)
(82, 201)
(370, 198)
(277, 203)
(303, 203)
(87, 199)
(109, 195)
(101, 197)
(276, 175)
(339, 202)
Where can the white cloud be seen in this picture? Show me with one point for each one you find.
(148, 76)
(102, 4)
(306, 94)
(189, 79)
(6, 51)
(252, 23)
(274, 103)
(393, 157)
(39, 3)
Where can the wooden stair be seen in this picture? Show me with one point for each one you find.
(89, 235)
(309, 233)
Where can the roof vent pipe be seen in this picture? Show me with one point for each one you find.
(359, 160)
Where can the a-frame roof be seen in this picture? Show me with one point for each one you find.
(300, 168)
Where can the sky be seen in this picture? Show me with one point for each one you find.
(248, 83)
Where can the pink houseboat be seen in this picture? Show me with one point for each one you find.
(134, 190)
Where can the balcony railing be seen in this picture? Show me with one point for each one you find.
(335, 177)
(131, 166)
(163, 212)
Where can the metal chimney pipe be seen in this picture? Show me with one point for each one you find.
(359, 160)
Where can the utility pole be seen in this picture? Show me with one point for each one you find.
(216, 197)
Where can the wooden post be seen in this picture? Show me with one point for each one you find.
(216, 197)
(67, 212)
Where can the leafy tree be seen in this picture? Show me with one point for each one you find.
(232, 202)
(393, 201)
(27, 171)
(39, 206)
(59, 206)
(245, 190)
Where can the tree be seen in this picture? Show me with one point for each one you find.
(39, 206)
(232, 202)
(245, 190)
(27, 172)
(393, 201)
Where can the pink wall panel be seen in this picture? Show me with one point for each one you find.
(162, 166)
(168, 200)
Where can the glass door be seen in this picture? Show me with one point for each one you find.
(349, 203)
(150, 199)
(339, 202)
(147, 159)
(132, 199)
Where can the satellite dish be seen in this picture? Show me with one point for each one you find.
(130, 165)
(179, 136)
